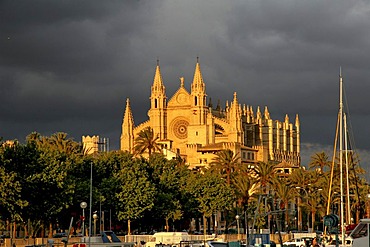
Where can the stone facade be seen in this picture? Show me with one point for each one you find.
(90, 144)
(189, 127)
(94, 144)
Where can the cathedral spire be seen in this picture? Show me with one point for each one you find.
(296, 120)
(235, 108)
(235, 119)
(235, 100)
(127, 135)
(158, 87)
(266, 113)
(158, 104)
(259, 114)
(128, 119)
(198, 95)
(286, 119)
(198, 84)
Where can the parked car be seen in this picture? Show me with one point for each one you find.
(299, 242)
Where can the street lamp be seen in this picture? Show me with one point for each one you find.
(83, 205)
(216, 224)
(95, 217)
(237, 217)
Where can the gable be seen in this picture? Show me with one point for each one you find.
(180, 98)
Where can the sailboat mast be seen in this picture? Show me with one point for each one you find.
(341, 153)
(348, 202)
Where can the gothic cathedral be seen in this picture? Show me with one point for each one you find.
(190, 128)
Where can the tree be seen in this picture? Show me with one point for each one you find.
(285, 193)
(136, 193)
(314, 203)
(11, 201)
(246, 188)
(320, 160)
(299, 179)
(211, 193)
(225, 162)
(57, 141)
(170, 180)
(146, 140)
(265, 172)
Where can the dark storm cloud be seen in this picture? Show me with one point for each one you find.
(70, 65)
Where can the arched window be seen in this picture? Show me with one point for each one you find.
(155, 103)
(195, 100)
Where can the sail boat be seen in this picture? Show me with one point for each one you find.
(345, 209)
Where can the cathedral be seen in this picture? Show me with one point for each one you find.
(188, 127)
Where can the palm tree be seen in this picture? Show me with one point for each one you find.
(285, 193)
(314, 203)
(320, 160)
(225, 162)
(246, 188)
(300, 179)
(60, 142)
(265, 172)
(146, 141)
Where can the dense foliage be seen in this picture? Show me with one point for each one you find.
(44, 180)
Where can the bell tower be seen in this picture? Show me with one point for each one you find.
(158, 105)
(198, 129)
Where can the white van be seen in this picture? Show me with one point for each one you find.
(167, 238)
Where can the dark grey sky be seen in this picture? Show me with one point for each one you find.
(70, 65)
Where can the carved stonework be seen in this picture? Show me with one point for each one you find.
(189, 126)
(180, 128)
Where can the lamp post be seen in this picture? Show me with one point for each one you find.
(95, 217)
(237, 217)
(216, 224)
(83, 205)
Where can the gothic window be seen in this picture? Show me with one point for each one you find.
(180, 128)
(195, 100)
(155, 103)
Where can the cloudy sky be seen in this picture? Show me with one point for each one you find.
(70, 65)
